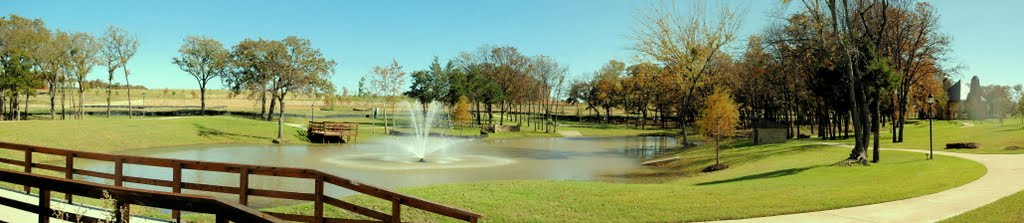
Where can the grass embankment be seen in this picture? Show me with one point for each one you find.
(993, 136)
(763, 180)
(1008, 209)
(121, 133)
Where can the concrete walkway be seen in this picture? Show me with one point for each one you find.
(570, 133)
(8, 214)
(1005, 177)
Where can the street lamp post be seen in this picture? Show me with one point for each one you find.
(931, 104)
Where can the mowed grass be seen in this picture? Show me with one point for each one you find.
(763, 181)
(993, 136)
(1008, 209)
(121, 133)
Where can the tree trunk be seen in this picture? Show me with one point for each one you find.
(128, 86)
(875, 128)
(63, 110)
(202, 99)
(16, 115)
(273, 104)
(490, 113)
(81, 101)
(3, 106)
(53, 95)
(478, 120)
(902, 116)
(718, 152)
(110, 89)
(280, 120)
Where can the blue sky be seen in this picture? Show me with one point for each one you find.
(582, 34)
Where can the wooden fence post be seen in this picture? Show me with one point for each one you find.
(44, 205)
(28, 167)
(396, 209)
(118, 171)
(69, 172)
(318, 203)
(176, 188)
(243, 186)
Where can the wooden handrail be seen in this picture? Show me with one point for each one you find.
(124, 196)
(319, 178)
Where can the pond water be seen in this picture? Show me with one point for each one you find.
(382, 164)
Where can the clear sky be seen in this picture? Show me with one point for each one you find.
(582, 34)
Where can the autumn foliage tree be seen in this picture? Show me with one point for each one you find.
(686, 46)
(461, 115)
(720, 118)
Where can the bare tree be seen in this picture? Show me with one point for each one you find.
(388, 81)
(118, 47)
(83, 56)
(686, 46)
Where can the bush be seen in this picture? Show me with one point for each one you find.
(963, 145)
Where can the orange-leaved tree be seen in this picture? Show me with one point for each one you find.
(719, 119)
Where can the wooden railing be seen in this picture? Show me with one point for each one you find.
(318, 197)
(123, 197)
(327, 130)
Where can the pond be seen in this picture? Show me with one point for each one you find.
(382, 164)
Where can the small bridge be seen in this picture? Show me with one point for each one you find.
(328, 131)
(177, 201)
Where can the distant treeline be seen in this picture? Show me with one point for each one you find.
(94, 84)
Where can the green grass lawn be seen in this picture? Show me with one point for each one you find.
(763, 180)
(993, 136)
(120, 133)
(1008, 209)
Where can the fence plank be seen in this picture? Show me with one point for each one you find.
(69, 172)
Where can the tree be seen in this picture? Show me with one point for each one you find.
(997, 97)
(1019, 90)
(53, 61)
(461, 115)
(607, 87)
(83, 56)
(686, 46)
(430, 85)
(203, 58)
(719, 119)
(118, 47)
(254, 63)
(388, 80)
(304, 69)
(21, 39)
(642, 85)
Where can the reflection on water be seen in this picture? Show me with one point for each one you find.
(381, 165)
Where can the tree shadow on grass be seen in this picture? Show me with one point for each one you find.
(211, 132)
(302, 135)
(765, 175)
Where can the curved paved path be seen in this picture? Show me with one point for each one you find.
(1005, 177)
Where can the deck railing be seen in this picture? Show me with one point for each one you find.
(123, 197)
(176, 184)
